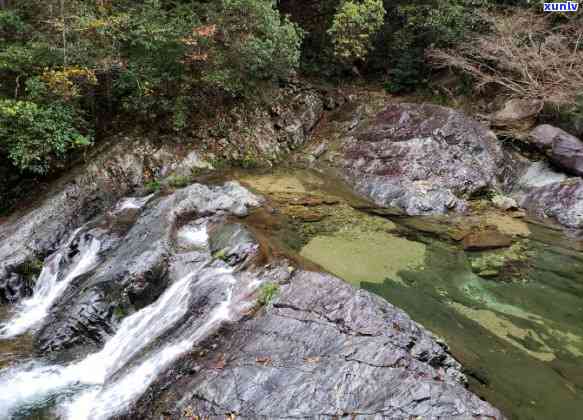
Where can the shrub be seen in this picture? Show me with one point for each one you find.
(34, 136)
(353, 28)
(267, 293)
(255, 44)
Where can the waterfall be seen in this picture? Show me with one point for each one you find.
(101, 404)
(106, 382)
(49, 287)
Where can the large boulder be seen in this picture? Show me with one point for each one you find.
(563, 149)
(422, 158)
(322, 350)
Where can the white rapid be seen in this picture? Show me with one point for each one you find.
(107, 382)
(31, 312)
(104, 402)
(130, 203)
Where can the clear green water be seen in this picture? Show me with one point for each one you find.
(521, 341)
(519, 335)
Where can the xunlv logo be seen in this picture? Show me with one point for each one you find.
(569, 6)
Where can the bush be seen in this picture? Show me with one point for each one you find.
(255, 44)
(267, 292)
(410, 29)
(34, 136)
(353, 27)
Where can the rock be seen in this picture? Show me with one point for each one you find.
(132, 269)
(504, 203)
(14, 288)
(542, 136)
(422, 158)
(517, 114)
(486, 239)
(324, 349)
(567, 153)
(561, 201)
(509, 264)
(563, 149)
(232, 243)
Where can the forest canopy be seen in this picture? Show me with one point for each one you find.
(70, 70)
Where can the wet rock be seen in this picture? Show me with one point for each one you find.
(13, 288)
(132, 271)
(325, 349)
(517, 114)
(233, 243)
(486, 239)
(423, 159)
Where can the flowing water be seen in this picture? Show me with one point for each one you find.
(104, 383)
(513, 317)
(49, 287)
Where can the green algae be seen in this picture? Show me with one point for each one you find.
(344, 252)
(520, 339)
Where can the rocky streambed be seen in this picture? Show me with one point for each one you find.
(326, 288)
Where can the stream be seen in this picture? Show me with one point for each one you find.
(518, 333)
(513, 316)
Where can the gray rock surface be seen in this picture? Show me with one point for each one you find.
(422, 158)
(132, 266)
(323, 349)
(560, 201)
(517, 114)
(564, 150)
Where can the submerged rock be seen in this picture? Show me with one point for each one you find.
(486, 239)
(422, 158)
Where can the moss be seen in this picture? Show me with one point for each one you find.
(221, 254)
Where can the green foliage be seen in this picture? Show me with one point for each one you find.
(267, 292)
(153, 186)
(179, 181)
(261, 46)
(411, 28)
(150, 62)
(33, 135)
(354, 26)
